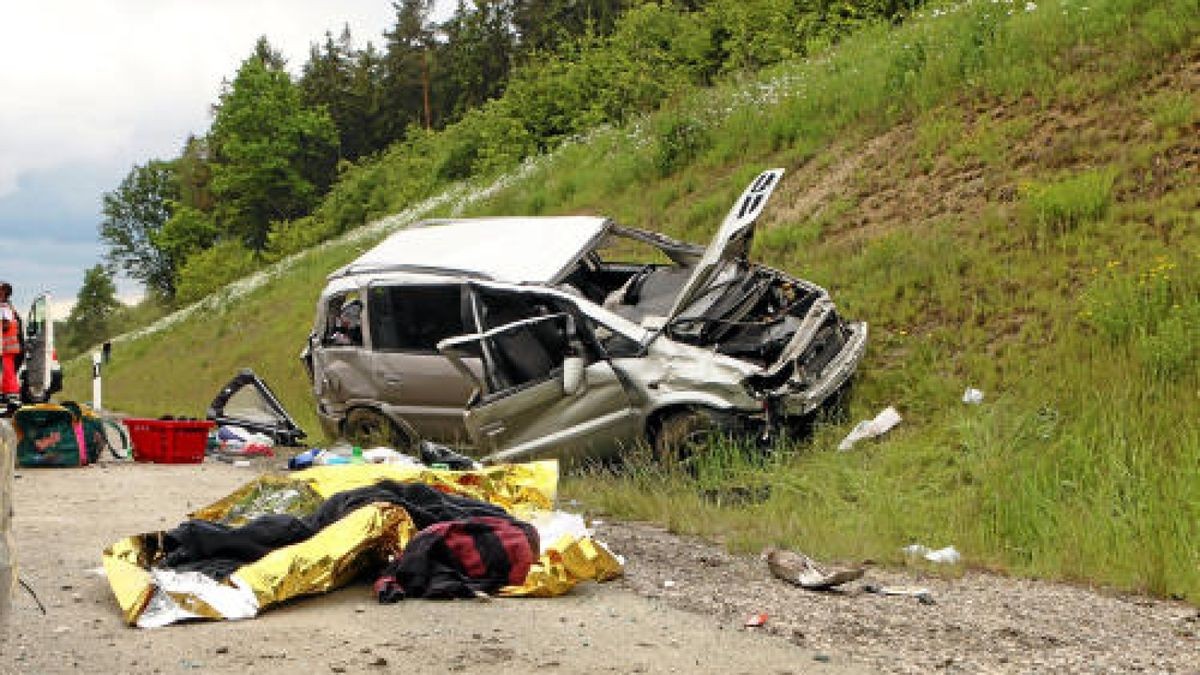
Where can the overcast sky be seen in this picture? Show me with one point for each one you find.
(88, 89)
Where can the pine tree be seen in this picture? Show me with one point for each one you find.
(89, 321)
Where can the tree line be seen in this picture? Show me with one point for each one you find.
(497, 81)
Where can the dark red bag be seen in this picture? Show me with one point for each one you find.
(461, 559)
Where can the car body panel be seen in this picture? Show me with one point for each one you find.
(543, 417)
(492, 248)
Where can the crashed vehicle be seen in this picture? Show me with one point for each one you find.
(531, 337)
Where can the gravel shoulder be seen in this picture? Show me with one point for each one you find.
(680, 608)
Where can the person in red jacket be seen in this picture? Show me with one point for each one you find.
(10, 348)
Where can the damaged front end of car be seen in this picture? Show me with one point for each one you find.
(803, 351)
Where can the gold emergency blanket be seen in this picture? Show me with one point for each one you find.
(150, 596)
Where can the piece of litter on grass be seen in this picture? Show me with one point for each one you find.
(668, 584)
(972, 396)
(942, 556)
(756, 621)
(882, 423)
(945, 556)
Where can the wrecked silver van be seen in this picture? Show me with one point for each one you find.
(573, 337)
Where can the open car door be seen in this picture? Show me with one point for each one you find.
(249, 403)
(39, 345)
(543, 393)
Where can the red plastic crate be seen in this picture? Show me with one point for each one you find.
(168, 441)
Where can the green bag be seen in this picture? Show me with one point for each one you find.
(94, 436)
(49, 435)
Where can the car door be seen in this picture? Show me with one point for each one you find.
(413, 380)
(543, 392)
(39, 344)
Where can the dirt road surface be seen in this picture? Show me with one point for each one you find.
(680, 608)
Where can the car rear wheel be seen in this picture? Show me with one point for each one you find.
(367, 428)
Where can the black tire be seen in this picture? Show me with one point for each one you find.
(682, 437)
(366, 428)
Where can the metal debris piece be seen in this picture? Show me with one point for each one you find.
(800, 570)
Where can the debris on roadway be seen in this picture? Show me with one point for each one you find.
(438, 533)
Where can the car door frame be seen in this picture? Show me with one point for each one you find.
(542, 418)
(396, 372)
(39, 350)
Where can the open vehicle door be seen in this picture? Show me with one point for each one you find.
(249, 403)
(39, 351)
(543, 392)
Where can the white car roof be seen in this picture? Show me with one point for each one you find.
(517, 250)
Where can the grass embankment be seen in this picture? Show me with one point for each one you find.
(1006, 193)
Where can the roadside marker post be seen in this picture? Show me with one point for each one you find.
(96, 404)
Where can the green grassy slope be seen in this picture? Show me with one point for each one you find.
(1009, 194)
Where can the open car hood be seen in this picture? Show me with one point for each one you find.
(732, 241)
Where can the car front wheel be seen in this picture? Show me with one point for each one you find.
(684, 436)
(366, 428)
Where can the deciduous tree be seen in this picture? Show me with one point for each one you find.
(134, 214)
(273, 156)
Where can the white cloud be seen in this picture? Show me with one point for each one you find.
(87, 89)
(126, 80)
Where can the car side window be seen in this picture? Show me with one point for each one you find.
(615, 344)
(343, 320)
(414, 318)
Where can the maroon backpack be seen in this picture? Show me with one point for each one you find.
(461, 559)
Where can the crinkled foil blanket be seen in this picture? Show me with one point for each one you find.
(152, 596)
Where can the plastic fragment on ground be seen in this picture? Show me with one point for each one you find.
(882, 423)
(922, 594)
(942, 556)
(756, 621)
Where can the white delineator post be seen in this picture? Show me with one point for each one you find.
(96, 404)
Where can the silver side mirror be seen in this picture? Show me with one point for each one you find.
(572, 376)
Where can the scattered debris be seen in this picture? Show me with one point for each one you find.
(801, 570)
(972, 396)
(942, 556)
(247, 402)
(668, 584)
(880, 425)
(295, 546)
(756, 621)
(922, 594)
